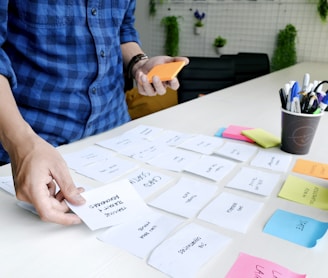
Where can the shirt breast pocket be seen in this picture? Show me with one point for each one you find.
(45, 13)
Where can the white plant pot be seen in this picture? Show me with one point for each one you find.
(198, 30)
(219, 50)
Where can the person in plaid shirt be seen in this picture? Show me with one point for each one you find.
(61, 79)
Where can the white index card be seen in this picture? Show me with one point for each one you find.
(147, 181)
(231, 211)
(211, 167)
(186, 198)
(237, 151)
(174, 159)
(109, 205)
(272, 160)
(86, 156)
(183, 254)
(107, 170)
(255, 181)
(202, 144)
(7, 184)
(140, 236)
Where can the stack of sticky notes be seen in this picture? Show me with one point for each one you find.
(251, 135)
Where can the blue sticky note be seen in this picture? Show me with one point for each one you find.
(220, 132)
(298, 229)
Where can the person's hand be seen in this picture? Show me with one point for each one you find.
(157, 87)
(37, 167)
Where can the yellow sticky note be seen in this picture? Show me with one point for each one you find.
(311, 168)
(304, 192)
(262, 137)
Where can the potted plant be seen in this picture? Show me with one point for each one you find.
(284, 54)
(218, 43)
(172, 35)
(322, 8)
(199, 22)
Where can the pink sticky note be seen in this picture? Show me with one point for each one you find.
(234, 132)
(249, 266)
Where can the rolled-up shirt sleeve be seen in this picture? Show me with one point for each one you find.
(6, 68)
(127, 31)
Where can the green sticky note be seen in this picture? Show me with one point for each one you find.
(262, 137)
(304, 192)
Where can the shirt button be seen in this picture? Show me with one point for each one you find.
(94, 90)
(102, 53)
(94, 11)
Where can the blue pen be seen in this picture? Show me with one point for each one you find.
(324, 103)
(294, 92)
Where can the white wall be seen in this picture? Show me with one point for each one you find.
(249, 26)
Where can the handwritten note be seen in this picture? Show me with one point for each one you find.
(295, 228)
(144, 151)
(140, 236)
(120, 143)
(202, 144)
(272, 160)
(185, 198)
(110, 205)
(144, 131)
(187, 250)
(146, 181)
(211, 167)
(311, 168)
(231, 211)
(237, 151)
(7, 184)
(255, 181)
(304, 192)
(87, 156)
(173, 138)
(174, 159)
(107, 170)
(250, 266)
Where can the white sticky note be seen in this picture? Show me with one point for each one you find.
(272, 160)
(120, 143)
(85, 157)
(109, 205)
(174, 159)
(186, 251)
(255, 181)
(211, 167)
(7, 184)
(139, 237)
(147, 181)
(231, 211)
(203, 144)
(237, 151)
(186, 198)
(107, 170)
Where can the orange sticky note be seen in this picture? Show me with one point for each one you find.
(165, 72)
(311, 168)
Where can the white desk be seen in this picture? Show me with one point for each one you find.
(32, 248)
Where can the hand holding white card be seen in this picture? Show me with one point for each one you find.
(109, 205)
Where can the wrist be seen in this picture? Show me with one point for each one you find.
(135, 63)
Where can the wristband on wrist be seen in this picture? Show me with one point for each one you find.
(135, 59)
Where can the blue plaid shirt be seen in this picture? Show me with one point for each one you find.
(64, 64)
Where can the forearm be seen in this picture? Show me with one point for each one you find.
(130, 50)
(13, 128)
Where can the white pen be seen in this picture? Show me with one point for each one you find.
(287, 91)
(306, 82)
